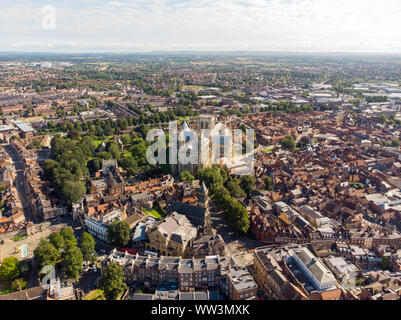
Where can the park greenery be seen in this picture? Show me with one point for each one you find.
(60, 249)
(75, 159)
(13, 274)
(225, 190)
(186, 176)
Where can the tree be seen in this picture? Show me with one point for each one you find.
(125, 139)
(48, 168)
(235, 190)
(268, 183)
(221, 196)
(288, 143)
(248, 185)
(87, 145)
(69, 238)
(129, 164)
(119, 233)
(73, 191)
(104, 155)
(211, 176)
(19, 284)
(9, 269)
(186, 176)
(73, 134)
(94, 165)
(24, 267)
(87, 245)
(385, 263)
(395, 143)
(46, 254)
(238, 217)
(113, 149)
(73, 262)
(112, 282)
(57, 240)
(138, 150)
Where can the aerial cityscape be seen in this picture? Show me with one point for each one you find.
(200, 175)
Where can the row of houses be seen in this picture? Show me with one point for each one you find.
(189, 274)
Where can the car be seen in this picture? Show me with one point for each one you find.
(128, 250)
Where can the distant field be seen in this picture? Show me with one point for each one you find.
(193, 88)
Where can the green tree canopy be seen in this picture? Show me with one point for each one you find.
(19, 284)
(125, 139)
(94, 165)
(112, 282)
(57, 240)
(247, 184)
(186, 176)
(69, 237)
(129, 164)
(113, 149)
(235, 190)
(269, 183)
(119, 233)
(9, 269)
(288, 143)
(72, 262)
(87, 245)
(46, 254)
(212, 176)
(73, 191)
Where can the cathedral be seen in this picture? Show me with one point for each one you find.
(206, 156)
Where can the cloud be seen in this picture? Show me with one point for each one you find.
(300, 25)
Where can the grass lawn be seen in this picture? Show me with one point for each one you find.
(192, 87)
(19, 238)
(94, 295)
(183, 118)
(153, 213)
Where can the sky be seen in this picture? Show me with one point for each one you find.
(201, 25)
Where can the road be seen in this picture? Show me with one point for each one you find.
(19, 184)
(88, 282)
(237, 246)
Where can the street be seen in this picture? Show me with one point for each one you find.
(238, 246)
(19, 184)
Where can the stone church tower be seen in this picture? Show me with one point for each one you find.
(204, 143)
